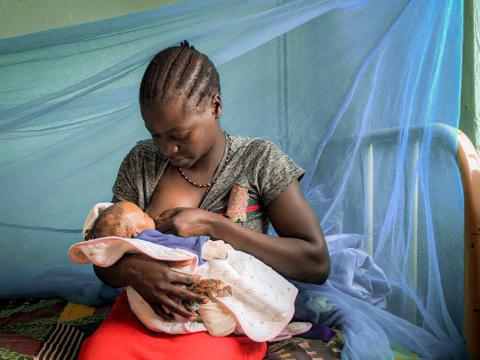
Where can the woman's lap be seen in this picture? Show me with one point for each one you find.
(122, 336)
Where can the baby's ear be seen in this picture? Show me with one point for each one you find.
(135, 233)
(87, 234)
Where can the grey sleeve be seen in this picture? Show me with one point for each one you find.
(125, 186)
(273, 171)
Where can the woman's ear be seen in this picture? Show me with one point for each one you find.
(217, 106)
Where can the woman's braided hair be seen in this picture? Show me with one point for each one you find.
(179, 69)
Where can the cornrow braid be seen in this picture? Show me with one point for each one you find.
(179, 69)
(187, 69)
(199, 79)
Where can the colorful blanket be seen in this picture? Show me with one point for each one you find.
(45, 328)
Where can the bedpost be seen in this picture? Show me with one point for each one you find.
(469, 163)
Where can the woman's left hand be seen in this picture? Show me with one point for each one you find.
(185, 222)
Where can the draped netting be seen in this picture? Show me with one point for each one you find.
(362, 94)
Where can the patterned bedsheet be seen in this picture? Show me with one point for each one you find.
(45, 328)
(55, 329)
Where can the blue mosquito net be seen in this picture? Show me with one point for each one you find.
(363, 94)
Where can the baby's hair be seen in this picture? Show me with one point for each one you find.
(179, 69)
(110, 222)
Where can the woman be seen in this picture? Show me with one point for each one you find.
(183, 179)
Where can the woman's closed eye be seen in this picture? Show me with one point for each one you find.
(180, 136)
(174, 136)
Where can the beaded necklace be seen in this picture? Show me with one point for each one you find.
(214, 180)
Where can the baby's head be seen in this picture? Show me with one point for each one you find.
(123, 219)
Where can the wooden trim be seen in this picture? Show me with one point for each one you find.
(469, 163)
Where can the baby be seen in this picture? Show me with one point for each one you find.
(246, 296)
(127, 220)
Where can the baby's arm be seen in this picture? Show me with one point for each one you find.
(192, 244)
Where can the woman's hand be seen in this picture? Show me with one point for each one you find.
(161, 287)
(185, 222)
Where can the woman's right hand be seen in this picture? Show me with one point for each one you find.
(160, 286)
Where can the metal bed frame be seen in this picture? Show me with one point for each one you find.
(469, 164)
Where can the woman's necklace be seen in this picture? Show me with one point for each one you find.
(227, 159)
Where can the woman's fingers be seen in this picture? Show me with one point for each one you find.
(158, 284)
(164, 226)
(164, 221)
(176, 307)
(169, 213)
(177, 277)
(160, 311)
(186, 294)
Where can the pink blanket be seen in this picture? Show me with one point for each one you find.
(262, 301)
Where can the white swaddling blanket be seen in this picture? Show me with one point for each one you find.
(262, 301)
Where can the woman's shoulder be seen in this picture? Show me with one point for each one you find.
(145, 149)
(143, 155)
(255, 149)
(262, 158)
(145, 146)
(266, 167)
(252, 145)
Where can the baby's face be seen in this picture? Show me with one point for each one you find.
(137, 218)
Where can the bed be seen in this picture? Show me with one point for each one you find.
(53, 328)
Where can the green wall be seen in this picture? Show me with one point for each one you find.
(18, 17)
(470, 110)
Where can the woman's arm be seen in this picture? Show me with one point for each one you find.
(300, 252)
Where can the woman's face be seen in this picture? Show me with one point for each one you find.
(183, 132)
